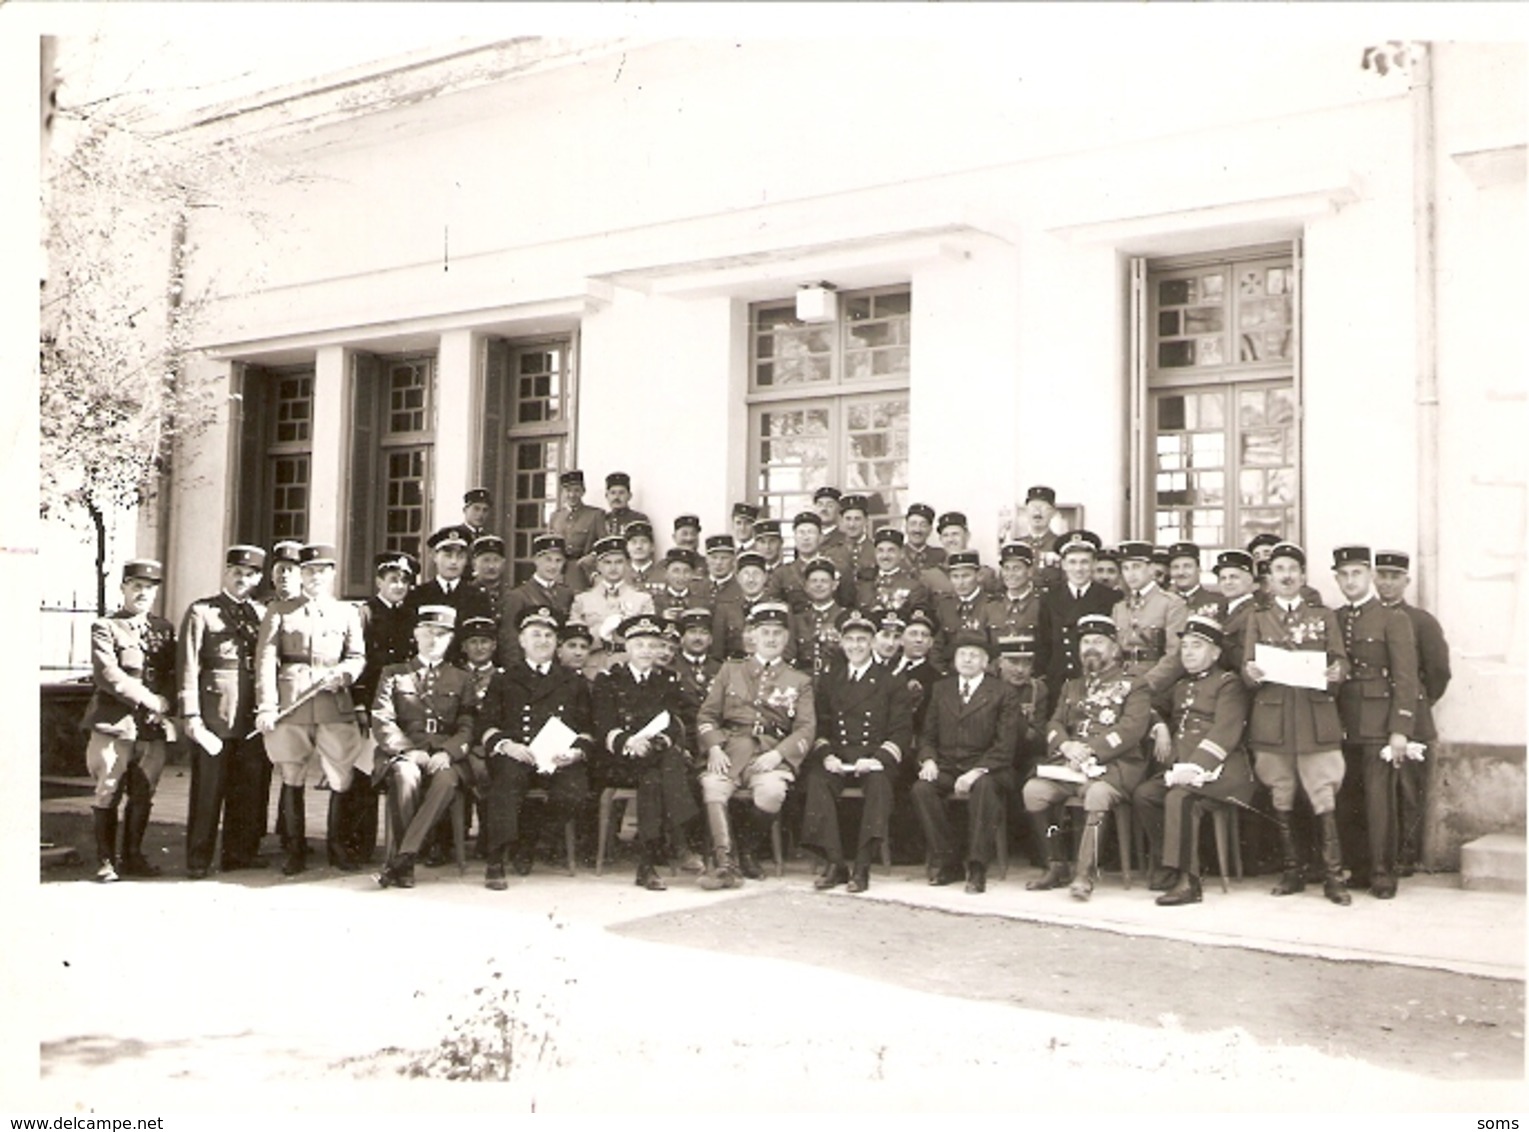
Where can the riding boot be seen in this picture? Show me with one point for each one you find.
(135, 823)
(106, 843)
(1332, 860)
(294, 836)
(1088, 857)
(1057, 873)
(1291, 880)
(724, 873)
(341, 831)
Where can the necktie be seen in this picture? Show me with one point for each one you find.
(966, 691)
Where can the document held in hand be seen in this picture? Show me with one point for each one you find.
(555, 738)
(1295, 668)
(655, 726)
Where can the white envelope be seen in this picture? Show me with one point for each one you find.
(554, 738)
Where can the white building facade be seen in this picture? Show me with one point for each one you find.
(1269, 290)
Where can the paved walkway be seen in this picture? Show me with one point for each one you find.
(1433, 922)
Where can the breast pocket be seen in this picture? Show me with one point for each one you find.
(1266, 724)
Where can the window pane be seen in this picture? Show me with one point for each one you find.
(1170, 414)
(1171, 355)
(1264, 447)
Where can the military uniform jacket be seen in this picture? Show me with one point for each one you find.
(478, 680)
(389, 635)
(695, 677)
(923, 558)
(578, 528)
(603, 608)
(530, 594)
(867, 718)
(467, 599)
(815, 638)
(1056, 640)
(1380, 696)
(983, 733)
(665, 599)
(1433, 667)
(622, 707)
(1048, 568)
(1149, 623)
(1210, 712)
(1295, 721)
(649, 576)
(132, 661)
(901, 591)
(920, 677)
(520, 700)
(1202, 602)
(774, 704)
(954, 615)
(217, 663)
(937, 581)
(715, 590)
(785, 584)
(1110, 712)
(730, 639)
(1007, 615)
(418, 708)
(616, 521)
(301, 643)
(1234, 628)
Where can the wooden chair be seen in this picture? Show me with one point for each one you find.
(569, 840)
(1123, 834)
(608, 799)
(458, 812)
(1228, 831)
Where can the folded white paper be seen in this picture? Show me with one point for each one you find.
(555, 738)
(655, 726)
(1059, 773)
(1295, 668)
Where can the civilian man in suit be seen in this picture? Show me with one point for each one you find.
(1378, 704)
(1094, 737)
(309, 653)
(966, 751)
(422, 720)
(629, 698)
(1076, 596)
(1204, 758)
(1391, 578)
(132, 665)
(1294, 732)
(520, 701)
(545, 587)
(755, 727)
(217, 695)
(865, 726)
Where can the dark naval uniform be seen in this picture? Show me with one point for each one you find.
(388, 631)
(1379, 699)
(519, 703)
(868, 715)
(1056, 644)
(217, 678)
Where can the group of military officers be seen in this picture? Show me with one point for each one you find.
(871, 665)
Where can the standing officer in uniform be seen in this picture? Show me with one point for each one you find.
(619, 514)
(695, 668)
(744, 516)
(628, 700)
(1095, 733)
(721, 556)
(918, 522)
(1063, 604)
(1239, 585)
(963, 608)
(825, 501)
(815, 626)
(859, 552)
(1107, 571)
(448, 547)
(1391, 580)
(894, 585)
(609, 602)
(967, 749)
(1294, 732)
(642, 569)
(1206, 758)
(768, 545)
(865, 724)
(217, 694)
(1149, 621)
(545, 587)
(1043, 541)
(1378, 705)
(954, 535)
(755, 726)
(521, 700)
(485, 572)
(477, 506)
(730, 615)
(576, 523)
(1018, 608)
(422, 719)
(687, 533)
(1184, 581)
(132, 664)
(678, 591)
(787, 584)
(309, 653)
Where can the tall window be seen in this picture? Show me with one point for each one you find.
(1221, 431)
(528, 390)
(276, 455)
(828, 402)
(393, 448)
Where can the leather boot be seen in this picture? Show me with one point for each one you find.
(647, 875)
(754, 843)
(135, 823)
(1088, 858)
(1332, 860)
(1057, 873)
(106, 844)
(723, 873)
(1186, 890)
(295, 830)
(341, 830)
(1291, 880)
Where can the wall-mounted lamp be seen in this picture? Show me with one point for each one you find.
(817, 302)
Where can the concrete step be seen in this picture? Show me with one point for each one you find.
(1494, 863)
(58, 855)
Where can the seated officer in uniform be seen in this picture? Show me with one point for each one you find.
(966, 751)
(894, 585)
(422, 720)
(1205, 758)
(1095, 737)
(695, 668)
(865, 725)
(132, 662)
(755, 726)
(630, 700)
(521, 700)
